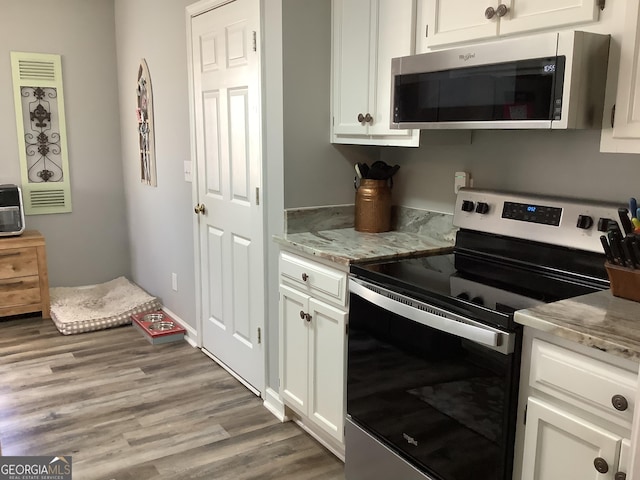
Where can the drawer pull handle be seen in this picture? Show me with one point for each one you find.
(305, 277)
(620, 476)
(619, 403)
(11, 254)
(601, 465)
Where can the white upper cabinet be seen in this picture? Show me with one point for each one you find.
(458, 21)
(367, 34)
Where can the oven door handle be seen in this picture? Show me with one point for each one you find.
(457, 325)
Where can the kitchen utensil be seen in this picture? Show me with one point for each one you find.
(630, 259)
(623, 213)
(616, 247)
(633, 207)
(358, 172)
(378, 170)
(606, 248)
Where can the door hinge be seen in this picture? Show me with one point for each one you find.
(255, 42)
(613, 114)
(257, 195)
(601, 4)
(259, 335)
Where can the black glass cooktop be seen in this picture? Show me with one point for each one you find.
(484, 288)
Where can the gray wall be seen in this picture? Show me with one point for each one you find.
(89, 245)
(160, 219)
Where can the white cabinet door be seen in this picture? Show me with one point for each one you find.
(294, 349)
(353, 57)
(327, 364)
(561, 445)
(528, 15)
(456, 21)
(627, 119)
(367, 34)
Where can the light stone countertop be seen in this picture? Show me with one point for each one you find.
(328, 233)
(598, 320)
(345, 246)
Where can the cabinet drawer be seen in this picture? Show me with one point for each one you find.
(314, 278)
(20, 291)
(18, 262)
(572, 377)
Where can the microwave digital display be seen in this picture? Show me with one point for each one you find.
(517, 90)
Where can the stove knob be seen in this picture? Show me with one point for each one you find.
(467, 206)
(478, 300)
(603, 224)
(482, 208)
(463, 296)
(585, 222)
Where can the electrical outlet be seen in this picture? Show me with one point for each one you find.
(461, 179)
(174, 282)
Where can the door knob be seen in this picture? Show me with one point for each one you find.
(200, 208)
(502, 10)
(601, 465)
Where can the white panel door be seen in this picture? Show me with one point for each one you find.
(327, 367)
(294, 348)
(226, 77)
(563, 446)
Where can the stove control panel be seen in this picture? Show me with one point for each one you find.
(567, 222)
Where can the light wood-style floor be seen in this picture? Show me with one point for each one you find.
(128, 410)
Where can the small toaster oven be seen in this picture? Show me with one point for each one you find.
(11, 210)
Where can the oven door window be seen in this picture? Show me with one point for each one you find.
(444, 403)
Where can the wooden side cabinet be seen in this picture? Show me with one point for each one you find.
(24, 282)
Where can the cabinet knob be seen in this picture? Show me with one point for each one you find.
(368, 118)
(619, 403)
(360, 118)
(620, 476)
(302, 314)
(305, 277)
(502, 10)
(307, 317)
(489, 13)
(601, 465)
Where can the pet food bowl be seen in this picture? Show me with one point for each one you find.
(162, 326)
(153, 317)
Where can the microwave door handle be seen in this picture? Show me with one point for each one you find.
(466, 328)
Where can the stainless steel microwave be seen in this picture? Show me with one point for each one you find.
(553, 81)
(11, 210)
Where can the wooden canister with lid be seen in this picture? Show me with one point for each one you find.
(373, 206)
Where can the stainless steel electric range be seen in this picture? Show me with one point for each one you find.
(433, 350)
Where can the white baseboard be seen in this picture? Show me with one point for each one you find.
(191, 336)
(336, 449)
(274, 404)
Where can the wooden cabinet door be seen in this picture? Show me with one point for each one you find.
(455, 21)
(528, 15)
(327, 367)
(561, 445)
(294, 349)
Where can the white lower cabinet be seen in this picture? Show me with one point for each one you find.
(576, 407)
(564, 446)
(312, 350)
